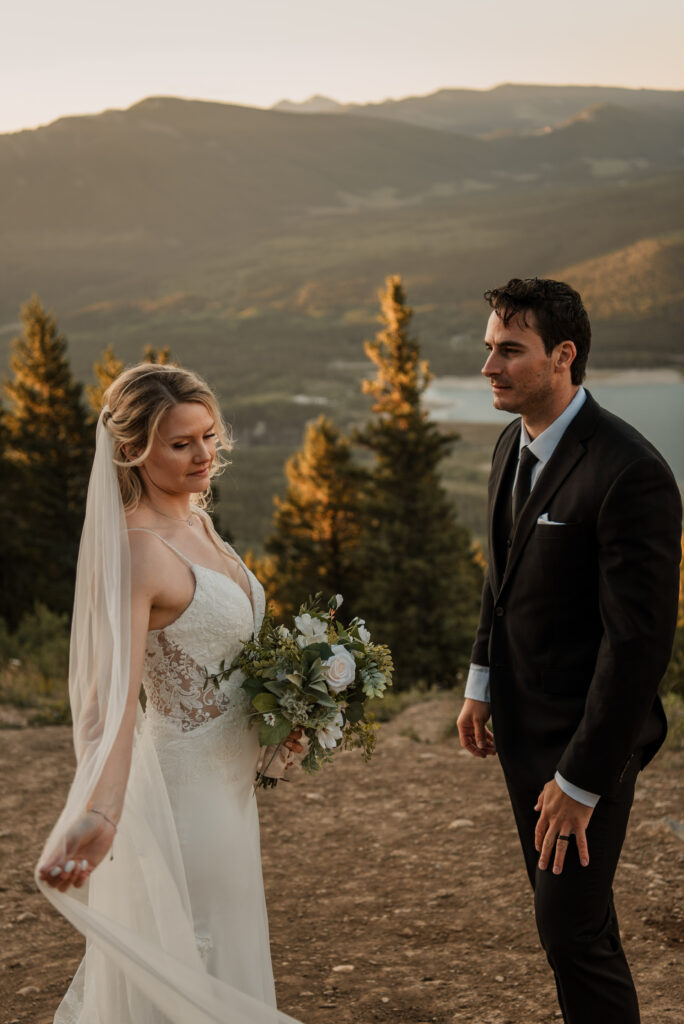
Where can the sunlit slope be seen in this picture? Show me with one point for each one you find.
(638, 280)
(635, 296)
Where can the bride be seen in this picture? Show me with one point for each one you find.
(155, 857)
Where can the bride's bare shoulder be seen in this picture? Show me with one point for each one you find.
(149, 557)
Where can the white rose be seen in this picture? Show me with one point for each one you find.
(313, 630)
(340, 669)
(329, 735)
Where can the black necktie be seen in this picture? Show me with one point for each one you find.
(522, 485)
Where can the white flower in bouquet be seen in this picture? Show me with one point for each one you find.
(269, 718)
(339, 670)
(331, 734)
(364, 635)
(313, 630)
(284, 632)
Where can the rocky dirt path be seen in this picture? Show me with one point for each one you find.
(396, 891)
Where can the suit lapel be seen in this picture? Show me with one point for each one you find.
(499, 492)
(571, 448)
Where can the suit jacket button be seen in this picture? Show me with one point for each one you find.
(498, 610)
(509, 543)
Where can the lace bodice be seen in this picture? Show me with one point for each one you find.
(219, 618)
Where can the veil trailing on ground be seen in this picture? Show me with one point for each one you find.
(142, 964)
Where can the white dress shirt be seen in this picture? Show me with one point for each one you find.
(543, 447)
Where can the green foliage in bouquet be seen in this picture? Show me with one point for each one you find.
(316, 677)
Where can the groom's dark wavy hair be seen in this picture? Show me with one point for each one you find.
(557, 310)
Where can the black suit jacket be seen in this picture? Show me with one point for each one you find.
(577, 620)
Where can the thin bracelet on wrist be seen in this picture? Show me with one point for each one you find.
(94, 810)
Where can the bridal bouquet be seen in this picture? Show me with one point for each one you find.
(316, 677)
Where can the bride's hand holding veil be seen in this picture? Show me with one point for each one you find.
(89, 836)
(87, 842)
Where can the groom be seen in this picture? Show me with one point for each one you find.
(576, 626)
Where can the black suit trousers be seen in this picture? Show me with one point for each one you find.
(575, 915)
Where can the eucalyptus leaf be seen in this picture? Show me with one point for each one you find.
(271, 735)
(252, 686)
(354, 713)
(355, 694)
(265, 702)
(322, 650)
(320, 686)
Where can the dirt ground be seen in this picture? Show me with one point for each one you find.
(396, 891)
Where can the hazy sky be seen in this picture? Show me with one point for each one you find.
(76, 56)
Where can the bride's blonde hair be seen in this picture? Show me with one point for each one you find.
(134, 405)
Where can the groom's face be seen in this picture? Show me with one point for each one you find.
(520, 371)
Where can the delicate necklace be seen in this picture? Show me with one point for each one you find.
(178, 519)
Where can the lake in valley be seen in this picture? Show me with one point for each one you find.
(651, 400)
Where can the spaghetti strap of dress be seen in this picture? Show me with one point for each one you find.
(141, 529)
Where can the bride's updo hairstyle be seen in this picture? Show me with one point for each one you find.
(135, 404)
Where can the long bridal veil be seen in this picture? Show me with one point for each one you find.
(142, 964)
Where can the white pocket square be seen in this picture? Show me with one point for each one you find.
(544, 520)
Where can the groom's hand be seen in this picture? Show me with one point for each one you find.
(472, 728)
(560, 815)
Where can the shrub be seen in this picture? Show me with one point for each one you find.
(34, 663)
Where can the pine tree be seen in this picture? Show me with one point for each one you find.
(160, 356)
(109, 368)
(106, 371)
(421, 579)
(49, 448)
(315, 526)
(10, 536)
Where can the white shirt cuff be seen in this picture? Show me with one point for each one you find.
(582, 796)
(477, 683)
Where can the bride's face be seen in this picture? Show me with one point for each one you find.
(182, 452)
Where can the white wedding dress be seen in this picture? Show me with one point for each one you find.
(208, 756)
(199, 739)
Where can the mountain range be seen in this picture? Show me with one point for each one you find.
(253, 241)
(510, 109)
